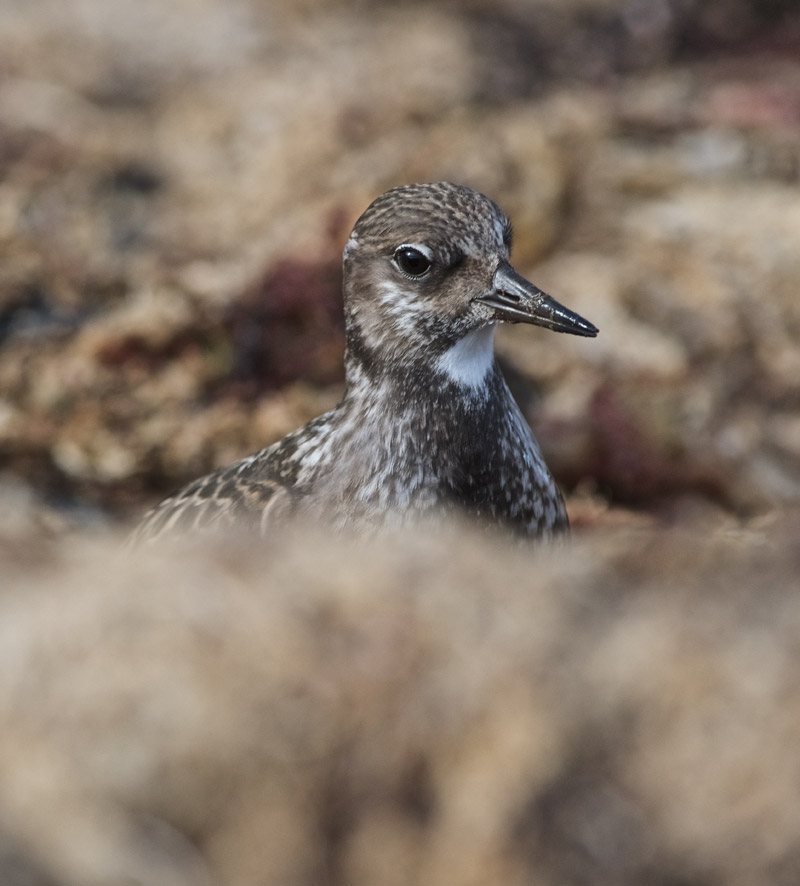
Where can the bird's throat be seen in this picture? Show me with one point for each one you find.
(468, 362)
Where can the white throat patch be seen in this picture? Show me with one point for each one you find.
(469, 360)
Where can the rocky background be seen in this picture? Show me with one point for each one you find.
(177, 180)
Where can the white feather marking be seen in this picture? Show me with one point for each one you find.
(469, 360)
(399, 307)
(351, 244)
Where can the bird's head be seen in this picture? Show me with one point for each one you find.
(427, 268)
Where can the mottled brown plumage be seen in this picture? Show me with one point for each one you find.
(427, 423)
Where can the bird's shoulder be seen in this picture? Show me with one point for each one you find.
(257, 492)
(250, 493)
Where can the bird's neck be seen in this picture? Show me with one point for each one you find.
(453, 391)
(416, 371)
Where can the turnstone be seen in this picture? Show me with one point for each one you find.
(427, 423)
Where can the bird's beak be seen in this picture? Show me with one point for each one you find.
(515, 300)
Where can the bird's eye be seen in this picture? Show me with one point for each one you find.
(412, 261)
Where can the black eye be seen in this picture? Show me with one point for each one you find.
(411, 261)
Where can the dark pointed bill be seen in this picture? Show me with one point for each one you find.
(515, 300)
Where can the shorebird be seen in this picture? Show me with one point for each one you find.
(427, 423)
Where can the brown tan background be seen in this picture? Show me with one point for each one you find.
(177, 180)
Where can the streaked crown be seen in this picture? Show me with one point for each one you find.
(441, 214)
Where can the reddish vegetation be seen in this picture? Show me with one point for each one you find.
(289, 327)
(632, 466)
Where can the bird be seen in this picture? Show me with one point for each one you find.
(427, 425)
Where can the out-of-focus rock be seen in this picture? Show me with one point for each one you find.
(442, 710)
